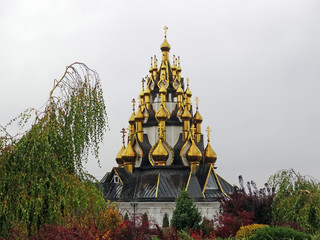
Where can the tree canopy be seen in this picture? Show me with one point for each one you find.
(42, 178)
(297, 200)
(186, 214)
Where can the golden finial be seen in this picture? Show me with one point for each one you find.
(179, 61)
(123, 131)
(133, 104)
(193, 130)
(197, 102)
(174, 60)
(143, 81)
(160, 131)
(151, 61)
(165, 31)
(188, 80)
(208, 131)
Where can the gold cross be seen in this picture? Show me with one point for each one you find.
(179, 61)
(188, 82)
(155, 61)
(143, 81)
(123, 131)
(208, 131)
(133, 103)
(174, 60)
(193, 130)
(165, 31)
(151, 61)
(197, 102)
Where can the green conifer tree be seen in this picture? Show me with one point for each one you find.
(186, 214)
(165, 221)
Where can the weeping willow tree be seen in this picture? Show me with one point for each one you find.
(42, 177)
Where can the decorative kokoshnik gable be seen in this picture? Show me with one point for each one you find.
(165, 151)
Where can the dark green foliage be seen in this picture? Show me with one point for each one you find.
(278, 233)
(126, 217)
(297, 200)
(165, 221)
(186, 214)
(42, 178)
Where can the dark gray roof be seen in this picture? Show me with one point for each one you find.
(164, 184)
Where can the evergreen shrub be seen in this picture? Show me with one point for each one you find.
(278, 233)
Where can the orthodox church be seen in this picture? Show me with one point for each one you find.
(165, 151)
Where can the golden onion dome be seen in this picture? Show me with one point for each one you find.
(161, 114)
(119, 155)
(188, 92)
(197, 117)
(179, 90)
(209, 156)
(160, 153)
(163, 89)
(186, 114)
(132, 118)
(139, 115)
(193, 153)
(165, 46)
(147, 90)
(141, 93)
(179, 69)
(129, 154)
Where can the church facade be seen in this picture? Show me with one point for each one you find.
(165, 151)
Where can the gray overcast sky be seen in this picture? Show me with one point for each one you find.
(253, 64)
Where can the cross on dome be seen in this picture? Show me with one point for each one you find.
(133, 103)
(123, 131)
(208, 131)
(197, 102)
(165, 31)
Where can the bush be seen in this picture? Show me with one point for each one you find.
(247, 231)
(186, 214)
(278, 233)
(165, 222)
(243, 207)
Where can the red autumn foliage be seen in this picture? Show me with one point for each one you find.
(242, 208)
(75, 232)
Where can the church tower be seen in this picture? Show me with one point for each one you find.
(165, 151)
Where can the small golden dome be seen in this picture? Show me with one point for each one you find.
(119, 155)
(186, 114)
(165, 46)
(193, 153)
(129, 154)
(139, 115)
(210, 156)
(132, 118)
(161, 114)
(163, 89)
(160, 153)
(188, 92)
(179, 90)
(197, 117)
(147, 90)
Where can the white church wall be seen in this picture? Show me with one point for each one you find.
(156, 210)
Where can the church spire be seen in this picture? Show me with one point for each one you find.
(165, 46)
(119, 155)
(194, 155)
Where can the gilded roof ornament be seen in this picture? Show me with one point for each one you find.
(160, 153)
(165, 46)
(132, 117)
(208, 130)
(119, 155)
(209, 156)
(197, 117)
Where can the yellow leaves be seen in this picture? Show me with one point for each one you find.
(247, 231)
